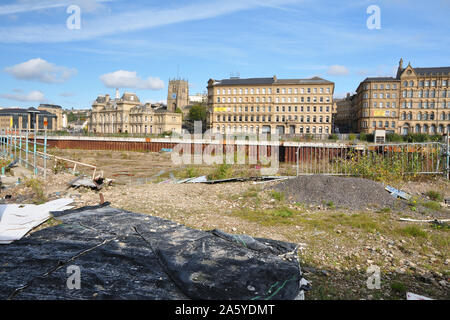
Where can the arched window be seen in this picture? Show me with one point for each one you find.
(417, 129)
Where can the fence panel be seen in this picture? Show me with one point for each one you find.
(363, 160)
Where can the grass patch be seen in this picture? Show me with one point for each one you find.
(331, 205)
(433, 205)
(279, 196)
(398, 287)
(37, 187)
(413, 231)
(190, 172)
(223, 171)
(435, 195)
(272, 217)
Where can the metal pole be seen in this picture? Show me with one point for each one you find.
(34, 152)
(20, 148)
(448, 155)
(45, 153)
(15, 142)
(26, 149)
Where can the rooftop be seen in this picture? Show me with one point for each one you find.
(269, 81)
(380, 79)
(52, 106)
(432, 71)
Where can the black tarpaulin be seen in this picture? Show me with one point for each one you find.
(124, 255)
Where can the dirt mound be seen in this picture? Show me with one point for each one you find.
(347, 192)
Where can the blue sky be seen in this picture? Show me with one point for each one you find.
(138, 45)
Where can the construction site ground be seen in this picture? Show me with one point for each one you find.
(336, 245)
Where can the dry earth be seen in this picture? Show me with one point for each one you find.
(336, 245)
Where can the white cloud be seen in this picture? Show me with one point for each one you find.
(41, 70)
(67, 94)
(126, 21)
(130, 79)
(33, 96)
(33, 5)
(337, 70)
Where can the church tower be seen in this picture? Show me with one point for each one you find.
(178, 95)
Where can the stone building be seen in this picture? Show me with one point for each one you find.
(27, 119)
(56, 110)
(128, 115)
(417, 100)
(270, 105)
(344, 119)
(178, 95)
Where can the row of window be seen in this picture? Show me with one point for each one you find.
(281, 109)
(256, 129)
(425, 105)
(425, 116)
(425, 93)
(427, 129)
(424, 83)
(269, 91)
(411, 83)
(269, 99)
(381, 86)
(107, 118)
(410, 105)
(282, 118)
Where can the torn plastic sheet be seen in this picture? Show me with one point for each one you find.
(204, 179)
(17, 220)
(124, 255)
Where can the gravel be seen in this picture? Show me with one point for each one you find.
(351, 193)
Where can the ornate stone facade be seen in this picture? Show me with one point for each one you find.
(417, 100)
(128, 115)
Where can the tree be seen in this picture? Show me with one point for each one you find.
(197, 113)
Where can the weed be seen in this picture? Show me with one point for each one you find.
(433, 205)
(36, 186)
(223, 171)
(398, 287)
(279, 196)
(331, 205)
(413, 231)
(435, 195)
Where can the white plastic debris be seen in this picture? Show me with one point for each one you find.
(17, 220)
(413, 296)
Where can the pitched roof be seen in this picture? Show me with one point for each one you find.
(431, 71)
(380, 79)
(270, 81)
(238, 81)
(23, 111)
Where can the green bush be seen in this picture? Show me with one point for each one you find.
(416, 137)
(352, 137)
(333, 137)
(369, 137)
(394, 137)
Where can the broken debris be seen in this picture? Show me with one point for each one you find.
(16, 220)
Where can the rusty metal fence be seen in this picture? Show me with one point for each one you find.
(362, 160)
